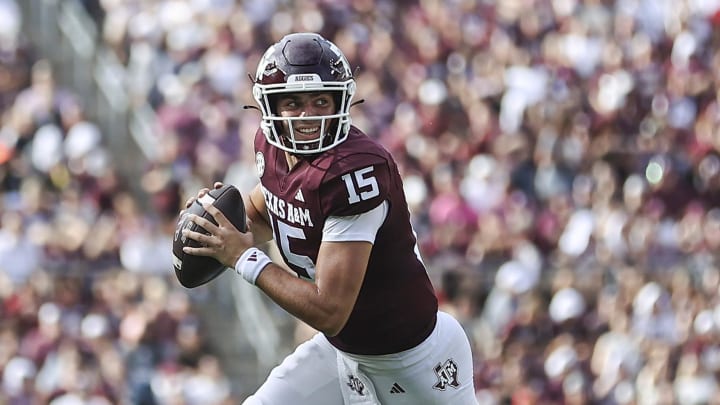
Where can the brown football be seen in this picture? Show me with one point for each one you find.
(193, 271)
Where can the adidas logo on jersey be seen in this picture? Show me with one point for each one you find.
(299, 196)
(397, 389)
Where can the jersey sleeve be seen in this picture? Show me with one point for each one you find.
(362, 227)
(355, 185)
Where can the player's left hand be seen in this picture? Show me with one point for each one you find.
(225, 243)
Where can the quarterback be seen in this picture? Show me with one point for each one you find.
(331, 198)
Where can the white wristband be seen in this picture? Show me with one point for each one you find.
(251, 263)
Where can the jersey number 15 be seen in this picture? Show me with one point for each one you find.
(361, 185)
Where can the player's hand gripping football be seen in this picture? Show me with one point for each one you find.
(225, 242)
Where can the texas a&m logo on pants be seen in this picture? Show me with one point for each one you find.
(447, 375)
(356, 384)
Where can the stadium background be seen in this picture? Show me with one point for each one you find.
(560, 158)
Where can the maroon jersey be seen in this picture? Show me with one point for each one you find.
(396, 307)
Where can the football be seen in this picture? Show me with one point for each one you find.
(191, 270)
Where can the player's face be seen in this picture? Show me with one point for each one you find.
(306, 105)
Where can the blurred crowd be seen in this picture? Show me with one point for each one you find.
(561, 159)
(90, 312)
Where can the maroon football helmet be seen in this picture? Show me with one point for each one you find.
(304, 62)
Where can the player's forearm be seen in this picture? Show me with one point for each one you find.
(303, 299)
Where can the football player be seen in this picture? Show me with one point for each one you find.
(332, 200)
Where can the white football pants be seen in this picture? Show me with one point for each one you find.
(438, 371)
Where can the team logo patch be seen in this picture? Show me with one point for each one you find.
(447, 375)
(260, 163)
(356, 385)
